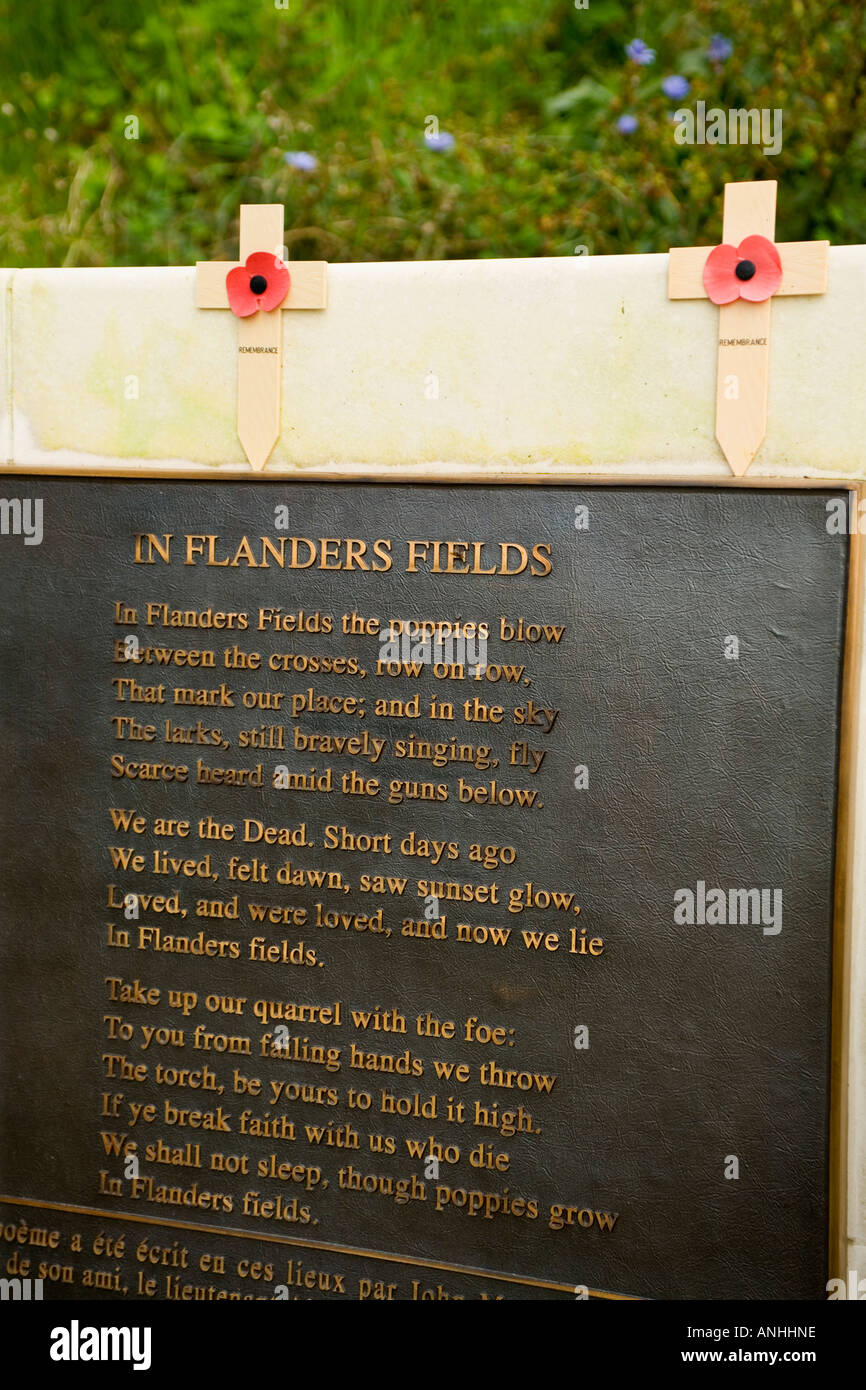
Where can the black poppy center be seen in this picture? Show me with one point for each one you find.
(258, 283)
(745, 270)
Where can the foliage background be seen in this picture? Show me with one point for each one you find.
(530, 90)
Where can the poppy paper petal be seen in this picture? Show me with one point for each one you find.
(242, 301)
(278, 278)
(768, 269)
(720, 282)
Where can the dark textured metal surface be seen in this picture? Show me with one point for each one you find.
(706, 1041)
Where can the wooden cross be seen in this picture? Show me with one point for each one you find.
(744, 328)
(260, 335)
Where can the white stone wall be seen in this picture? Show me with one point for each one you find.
(577, 365)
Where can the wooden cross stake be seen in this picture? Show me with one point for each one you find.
(260, 335)
(744, 328)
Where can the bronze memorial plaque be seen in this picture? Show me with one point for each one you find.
(417, 892)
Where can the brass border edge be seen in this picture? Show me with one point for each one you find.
(426, 475)
(843, 899)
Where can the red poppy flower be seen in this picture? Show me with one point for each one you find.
(751, 271)
(261, 283)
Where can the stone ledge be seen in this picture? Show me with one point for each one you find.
(547, 366)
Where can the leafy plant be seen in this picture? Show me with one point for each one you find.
(132, 131)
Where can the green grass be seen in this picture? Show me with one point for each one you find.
(531, 92)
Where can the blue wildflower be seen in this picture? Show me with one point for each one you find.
(627, 125)
(440, 141)
(676, 87)
(638, 51)
(720, 48)
(300, 159)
